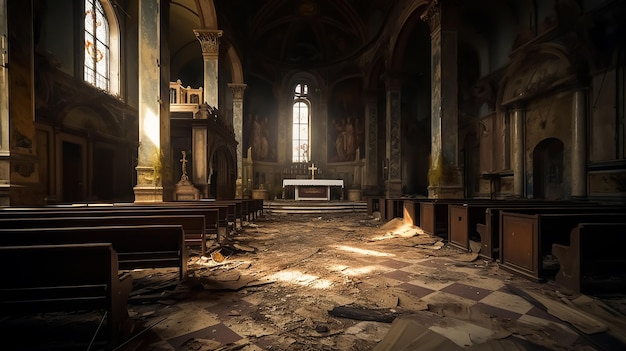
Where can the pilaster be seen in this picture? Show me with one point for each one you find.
(517, 126)
(579, 144)
(393, 152)
(238, 90)
(444, 174)
(370, 182)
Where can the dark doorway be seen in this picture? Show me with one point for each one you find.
(103, 174)
(72, 172)
(548, 170)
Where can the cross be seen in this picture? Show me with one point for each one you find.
(313, 169)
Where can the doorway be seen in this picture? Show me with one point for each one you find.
(72, 172)
(548, 169)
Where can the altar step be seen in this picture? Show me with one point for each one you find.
(313, 207)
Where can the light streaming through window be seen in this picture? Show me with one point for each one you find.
(97, 53)
(301, 118)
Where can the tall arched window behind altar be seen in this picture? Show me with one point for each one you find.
(97, 46)
(301, 124)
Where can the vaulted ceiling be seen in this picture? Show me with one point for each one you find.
(303, 34)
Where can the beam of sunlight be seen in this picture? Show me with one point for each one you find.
(363, 251)
(297, 277)
(151, 127)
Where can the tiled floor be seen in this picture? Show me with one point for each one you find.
(472, 297)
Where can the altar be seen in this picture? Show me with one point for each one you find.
(312, 189)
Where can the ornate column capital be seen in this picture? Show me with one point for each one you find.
(238, 90)
(209, 40)
(432, 16)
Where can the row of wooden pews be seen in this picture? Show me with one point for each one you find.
(78, 256)
(522, 234)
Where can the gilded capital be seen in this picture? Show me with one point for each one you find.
(209, 40)
(238, 90)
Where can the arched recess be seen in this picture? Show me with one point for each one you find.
(223, 174)
(548, 170)
(411, 55)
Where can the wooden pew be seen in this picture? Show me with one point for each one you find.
(376, 204)
(146, 246)
(526, 238)
(213, 223)
(394, 208)
(55, 278)
(193, 225)
(410, 213)
(489, 230)
(594, 260)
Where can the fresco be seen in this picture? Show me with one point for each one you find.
(346, 128)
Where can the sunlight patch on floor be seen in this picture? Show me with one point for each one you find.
(363, 251)
(297, 277)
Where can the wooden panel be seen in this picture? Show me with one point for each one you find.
(409, 213)
(518, 240)
(427, 217)
(457, 226)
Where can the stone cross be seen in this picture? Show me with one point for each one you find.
(313, 169)
(184, 161)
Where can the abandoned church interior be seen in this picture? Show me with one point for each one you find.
(429, 159)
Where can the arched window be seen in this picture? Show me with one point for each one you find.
(101, 46)
(301, 118)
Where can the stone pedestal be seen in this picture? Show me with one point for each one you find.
(185, 192)
(354, 194)
(260, 194)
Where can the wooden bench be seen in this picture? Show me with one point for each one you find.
(488, 230)
(410, 212)
(376, 204)
(56, 278)
(594, 260)
(193, 225)
(146, 246)
(525, 239)
(213, 224)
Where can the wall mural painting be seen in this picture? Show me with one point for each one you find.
(346, 128)
(260, 123)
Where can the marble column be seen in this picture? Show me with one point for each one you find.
(210, 42)
(238, 90)
(19, 163)
(393, 151)
(444, 174)
(370, 183)
(517, 130)
(153, 164)
(579, 144)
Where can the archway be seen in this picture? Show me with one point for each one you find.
(548, 169)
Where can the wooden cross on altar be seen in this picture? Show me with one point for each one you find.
(313, 169)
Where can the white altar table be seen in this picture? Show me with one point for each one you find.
(312, 189)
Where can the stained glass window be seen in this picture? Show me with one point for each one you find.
(301, 117)
(97, 44)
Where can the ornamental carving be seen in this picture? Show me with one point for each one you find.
(209, 40)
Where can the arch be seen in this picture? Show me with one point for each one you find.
(207, 14)
(114, 51)
(548, 170)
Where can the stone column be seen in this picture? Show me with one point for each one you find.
(579, 145)
(370, 183)
(153, 164)
(444, 175)
(238, 90)
(19, 163)
(393, 152)
(517, 129)
(210, 42)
